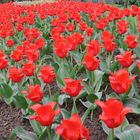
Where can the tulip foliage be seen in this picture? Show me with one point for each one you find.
(65, 53)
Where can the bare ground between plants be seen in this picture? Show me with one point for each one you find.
(12, 117)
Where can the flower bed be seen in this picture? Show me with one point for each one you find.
(89, 52)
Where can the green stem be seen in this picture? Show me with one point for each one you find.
(113, 138)
(74, 109)
(49, 88)
(49, 134)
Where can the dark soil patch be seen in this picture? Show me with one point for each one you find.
(10, 118)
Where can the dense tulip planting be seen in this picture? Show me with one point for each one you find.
(90, 52)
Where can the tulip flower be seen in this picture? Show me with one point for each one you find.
(120, 81)
(44, 113)
(34, 93)
(47, 74)
(90, 62)
(113, 112)
(72, 129)
(73, 87)
(125, 59)
(131, 41)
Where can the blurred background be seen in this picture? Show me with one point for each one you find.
(120, 2)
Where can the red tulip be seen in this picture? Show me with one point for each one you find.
(125, 59)
(72, 129)
(3, 63)
(122, 26)
(15, 74)
(101, 23)
(108, 39)
(120, 82)
(131, 41)
(89, 31)
(10, 43)
(73, 87)
(113, 112)
(44, 113)
(90, 62)
(39, 43)
(34, 93)
(60, 49)
(28, 69)
(17, 54)
(93, 47)
(47, 74)
(70, 27)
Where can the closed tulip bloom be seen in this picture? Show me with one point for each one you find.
(44, 114)
(72, 129)
(34, 93)
(73, 87)
(113, 112)
(125, 59)
(47, 74)
(90, 62)
(120, 81)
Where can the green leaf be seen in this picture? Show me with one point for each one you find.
(85, 115)
(131, 133)
(91, 98)
(62, 98)
(24, 135)
(36, 126)
(6, 90)
(54, 98)
(103, 66)
(98, 80)
(133, 103)
(20, 101)
(56, 137)
(65, 113)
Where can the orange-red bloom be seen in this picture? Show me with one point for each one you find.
(122, 26)
(131, 41)
(93, 47)
(113, 112)
(73, 87)
(90, 62)
(72, 129)
(125, 59)
(44, 113)
(28, 69)
(47, 74)
(15, 74)
(34, 93)
(120, 81)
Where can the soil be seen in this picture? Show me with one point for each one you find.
(11, 118)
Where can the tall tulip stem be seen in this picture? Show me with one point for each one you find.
(112, 132)
(74, 108)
